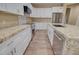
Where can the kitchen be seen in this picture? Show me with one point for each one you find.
(39, 29)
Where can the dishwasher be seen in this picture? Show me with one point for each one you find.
(58, 43)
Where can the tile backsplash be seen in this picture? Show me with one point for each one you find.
(8, 20)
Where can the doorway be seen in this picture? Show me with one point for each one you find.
(67, 14)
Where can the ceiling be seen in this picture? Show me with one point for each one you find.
(46, 5)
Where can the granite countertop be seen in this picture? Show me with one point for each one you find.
(69, 31)
(9, 32)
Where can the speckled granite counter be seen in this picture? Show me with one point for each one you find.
(9, 32)
(69, 31)
(71, 34)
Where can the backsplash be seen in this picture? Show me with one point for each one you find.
(8, 20)
(45, 20)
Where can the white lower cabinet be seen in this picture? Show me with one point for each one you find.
(17, 44)
(7, 51)
(24, 42)
(13, 8)
(50, 34)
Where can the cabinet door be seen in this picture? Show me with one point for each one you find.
(37, 13)
(12, 7)
(2, 6)
(33, 12)
(16, 44)
(15, 8)
(41, 12)
(23, 41)
(20, 9)
(11, 51)
(8, 50)
(19, 43)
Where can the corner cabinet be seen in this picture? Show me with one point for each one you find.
(17, 44)
(13, 8)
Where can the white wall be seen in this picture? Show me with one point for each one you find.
(40, 26)
(41, 12)
(77, 21)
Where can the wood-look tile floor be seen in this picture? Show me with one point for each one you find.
(39, 45)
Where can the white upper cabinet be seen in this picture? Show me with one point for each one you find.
(57, 9)
(2, 6)
(20, 9)
(14, 8)
(29, 5)
(33, 14)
